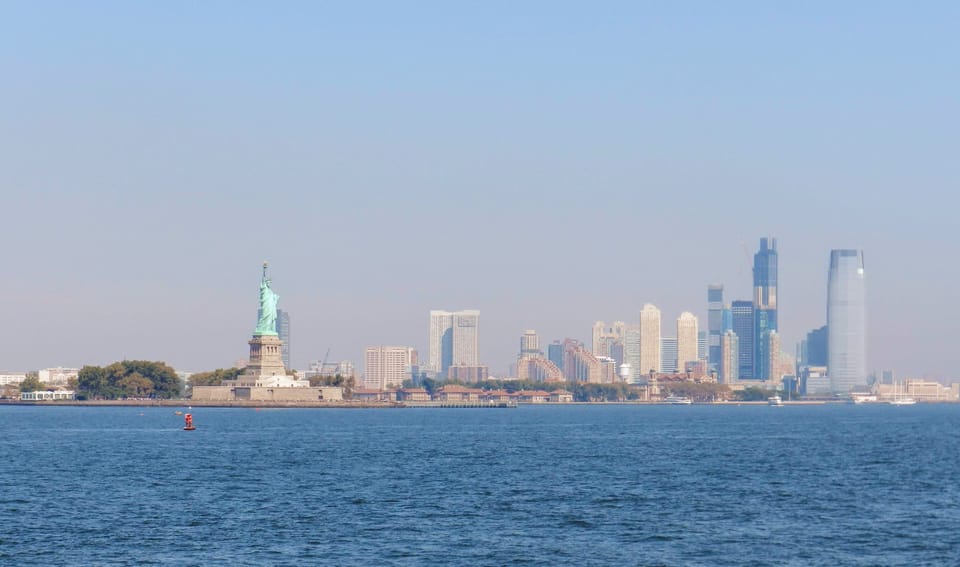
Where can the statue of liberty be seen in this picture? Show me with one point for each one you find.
(267, 315)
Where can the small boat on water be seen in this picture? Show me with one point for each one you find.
(898, 397)
(677, 400)
(774, 401)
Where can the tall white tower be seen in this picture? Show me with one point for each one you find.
(466, 338)
(649, 339)
(530, 345)
(687, 334)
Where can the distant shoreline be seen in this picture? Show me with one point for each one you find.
(355, 405)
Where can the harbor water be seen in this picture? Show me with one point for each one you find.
(535, 485)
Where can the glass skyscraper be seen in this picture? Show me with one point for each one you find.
(283, 331)
(816, 353)
(714, 324)
(555, 354)
(764, 304)
(742, 313)
(846, 321)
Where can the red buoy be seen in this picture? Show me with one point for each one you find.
(188, 425)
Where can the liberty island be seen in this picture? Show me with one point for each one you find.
(265, 379)
(266, 364)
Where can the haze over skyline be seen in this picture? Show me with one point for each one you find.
(550, 164)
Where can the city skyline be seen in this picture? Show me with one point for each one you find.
(551, 166)
(466, 351)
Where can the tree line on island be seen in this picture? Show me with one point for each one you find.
(147, 379)
(128, 379)
(616, 392)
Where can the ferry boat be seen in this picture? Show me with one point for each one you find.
(677, 400)
(774, 401)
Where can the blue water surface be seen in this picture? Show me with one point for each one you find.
(536, 485)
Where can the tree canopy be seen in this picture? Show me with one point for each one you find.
(129, 379)
(348, 382)
(214, 377)
(32, 383)
(754, 394)
(704, 392)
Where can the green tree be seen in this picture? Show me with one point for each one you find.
(92, 382)
(214, 377)
(166, 383)
(135, 385)
(698, 392)
(129, 378)
(348, 382)
(32, 383)
(754, 394)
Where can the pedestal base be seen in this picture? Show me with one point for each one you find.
(266, 360)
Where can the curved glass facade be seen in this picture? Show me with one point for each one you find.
(846, 321)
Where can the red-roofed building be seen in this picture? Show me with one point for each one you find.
(454, 393)
(498, 396)
(532, 396)
(413, 395)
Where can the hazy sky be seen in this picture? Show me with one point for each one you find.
(548, 163)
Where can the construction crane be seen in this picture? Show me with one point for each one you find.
(323, 364)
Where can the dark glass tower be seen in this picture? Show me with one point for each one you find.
(714, 324)
(817, 347)
(555, 354)
(742, 312)
(764, 304)
(283, 331)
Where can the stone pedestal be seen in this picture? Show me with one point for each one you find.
(266, 360)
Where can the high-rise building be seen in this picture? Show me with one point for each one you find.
(441, 342)
(283, 331)
(605, 335)
(847, 321)
(631, 350)
(555, 354)
(883, 377)
(742, 320)
(668, 355)
(580, 365)
(530, 345)
(764, 303)
(538, 370)
(616, 352)
(714, 324)
(468, 374)
(649, 339)
(729, 358)
(454, 340)
(387, 366)
(702, 345)
(816, 347)
(466, 338)
(772, 365)
(687, 332)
